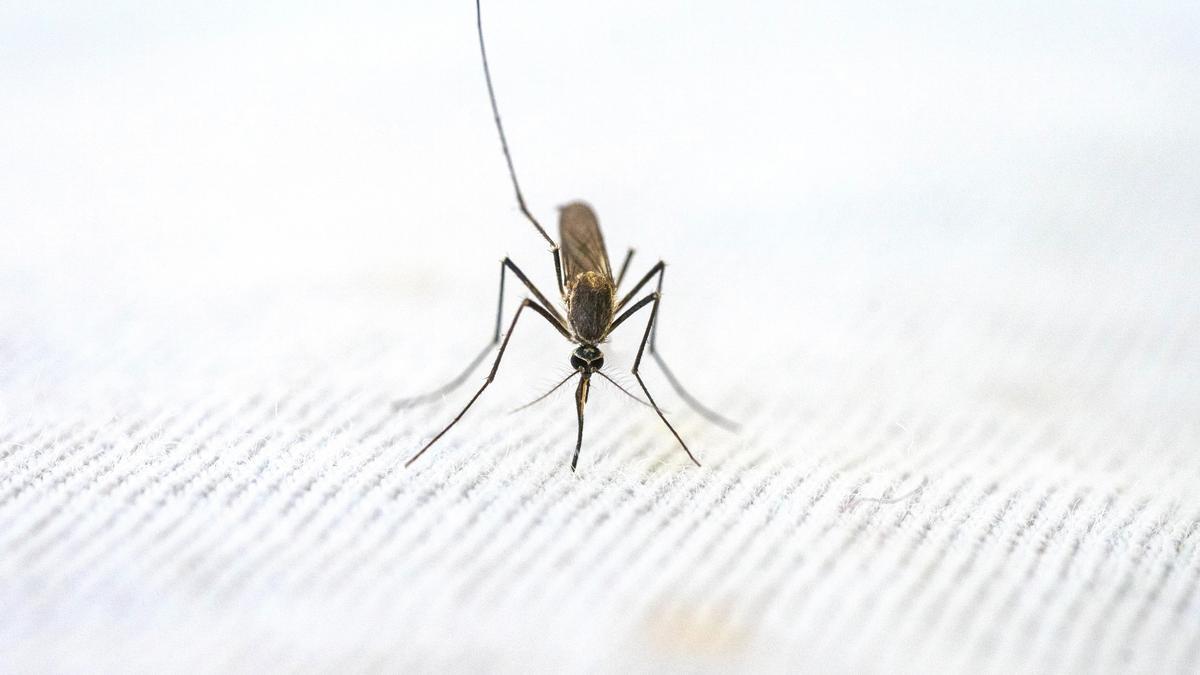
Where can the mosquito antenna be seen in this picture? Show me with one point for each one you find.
(512, 172)
(543, 396)
(618, 386)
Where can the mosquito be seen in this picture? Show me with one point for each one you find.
(592, 306)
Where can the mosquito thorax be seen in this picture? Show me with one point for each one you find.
(587, 358)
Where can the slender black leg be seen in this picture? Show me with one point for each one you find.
(624, 266)
(581, 394)
(657, 269)
(436, 394)
(495, 366)
(512, 172)
(705, 412)
(653, 297)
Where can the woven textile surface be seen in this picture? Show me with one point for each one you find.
(964, 359)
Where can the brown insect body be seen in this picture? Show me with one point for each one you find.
(590, 302)
(590, 292)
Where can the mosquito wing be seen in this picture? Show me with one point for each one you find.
(582, 244)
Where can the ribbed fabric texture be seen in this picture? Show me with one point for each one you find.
(1008, 486)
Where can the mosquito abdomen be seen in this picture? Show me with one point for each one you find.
(590, 299)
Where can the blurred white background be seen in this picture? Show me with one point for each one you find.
(159, 155)
(200, 142)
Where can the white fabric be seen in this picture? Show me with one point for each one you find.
(942, 267)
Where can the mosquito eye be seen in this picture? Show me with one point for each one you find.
(577, 363)
(598, 363)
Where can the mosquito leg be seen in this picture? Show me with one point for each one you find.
(652, 298)
(546, 304)
(657, 269)
(491, 375)
(704, 411)
(624, 266)
(512, 172)
(441, 391)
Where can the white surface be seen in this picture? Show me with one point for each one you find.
(951, 252)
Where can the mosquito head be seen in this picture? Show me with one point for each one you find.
(587, 358)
